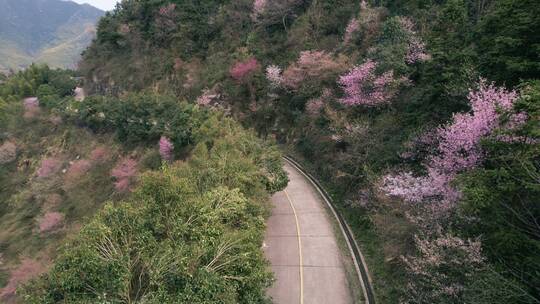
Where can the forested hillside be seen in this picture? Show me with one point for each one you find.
(46, 31)
(420, 116)
(133, 199)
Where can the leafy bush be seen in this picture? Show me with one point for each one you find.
(26, 83)
(191, 234)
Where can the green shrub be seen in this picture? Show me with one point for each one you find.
(191, 234)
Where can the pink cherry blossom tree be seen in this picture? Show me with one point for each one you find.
(416, 48)
(273, 75)
(259, 7)
(49, 166)
(442, 268)
(458, 148)
(352, 27)
(362, 86)
(241, 70)
(166, 148)
(416, 51)
(124, 172)
(205, 99)
(313, 66)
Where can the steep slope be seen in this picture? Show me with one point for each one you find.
(189, 230)
(54, 177)
(392, 105)
(48, 31)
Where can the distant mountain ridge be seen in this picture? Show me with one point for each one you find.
(45, 31)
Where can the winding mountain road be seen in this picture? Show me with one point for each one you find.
(302, 247)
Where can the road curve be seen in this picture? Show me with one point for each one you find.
(302, 248)
(358, 260)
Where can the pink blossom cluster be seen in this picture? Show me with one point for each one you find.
(352, 27)
(49, 166)
(205, 99)
(99, 154)
(259, 6)
(124, 172)
(8, 152)
(273, 75)
(50, 221)
(31, 102)
(312, 65)
(363, 87)
(31, 107)
(208, 98)
(166, 148)
(241, 70)
(314, 106)
(458, 147)
(78, 169)
(433, 271)
(459, 141)
(27, 270)
(416, 50)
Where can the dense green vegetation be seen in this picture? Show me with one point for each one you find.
(190, 232)
(421, 118)
(503, 198)
(423, 59)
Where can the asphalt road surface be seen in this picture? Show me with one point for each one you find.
(302, 248)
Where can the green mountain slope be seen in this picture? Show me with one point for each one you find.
(45, 31)
(182, 190)
(376, 97)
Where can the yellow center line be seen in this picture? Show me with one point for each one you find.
(301, 262)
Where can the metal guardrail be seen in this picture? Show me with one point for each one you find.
(358, 258)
